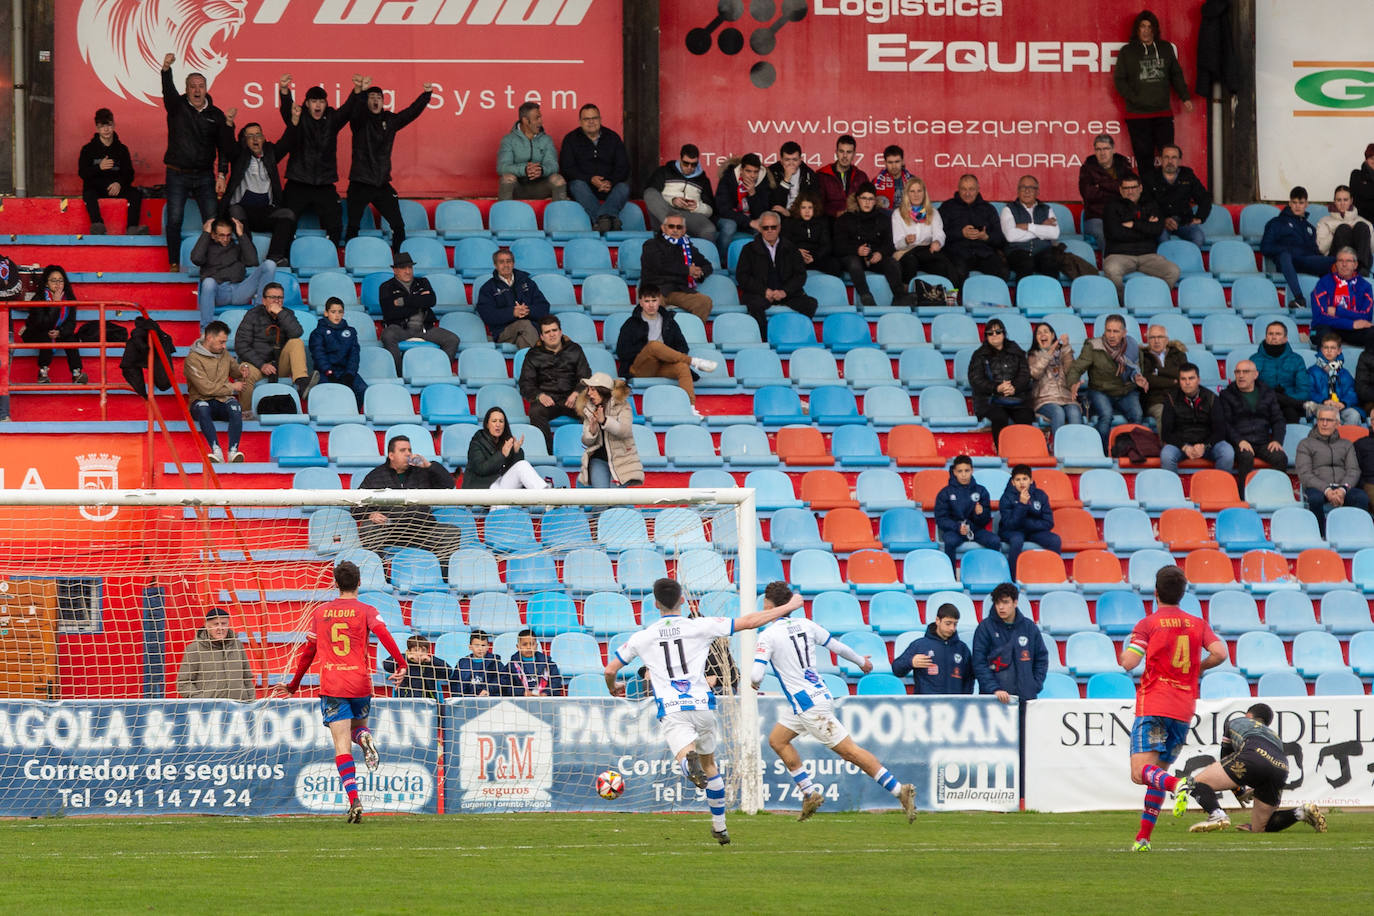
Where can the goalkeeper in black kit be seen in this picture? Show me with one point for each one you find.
(1251, 756)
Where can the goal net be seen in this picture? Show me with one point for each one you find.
(141, 636)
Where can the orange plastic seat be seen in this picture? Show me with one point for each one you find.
(1353, 431)
(848, 529)
(1320, 565)
(1057, 486)
(827, 490)
(1024, 444)
(1040, 568)
(1185, 530)
(803, 445)
(1207, 566)
(1077, 529)
(1097, 568)
(1214, 490)
(872, 568)
(926, 485)
(1125, 462)
(1260, 568)
(913, 446)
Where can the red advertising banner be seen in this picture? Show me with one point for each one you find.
(484, 57)
(112, 461)
(998, 88)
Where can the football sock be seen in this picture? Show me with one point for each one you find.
(802, 779)
(888, 782)
(1153, 799)
(358, 734)
(1282, 820)
(1206, 797)
(347, 774)
(715, 800)
(1159, 778)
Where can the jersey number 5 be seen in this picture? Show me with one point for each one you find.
(1183, 657)
(338, 639)
(668, 658)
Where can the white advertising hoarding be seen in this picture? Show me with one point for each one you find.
(1314, 94)
(1078, 751)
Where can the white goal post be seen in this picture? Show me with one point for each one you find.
(54, 534)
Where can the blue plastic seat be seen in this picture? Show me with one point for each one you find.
(1362, 654)
(1295, 529)
(1158, 489)
(513, 219)
(829, 292)
(638, 568)
(1231, 259)
(587, 684)
(1141, 569)
(551, 613)
(792, 530)
(1111, 685)
(899, 331)
(621, 528)
(778, 405)
(944, 408)
(1064, 612)
(834, 405)
(440, 404)
(845, 331)
(1345, 612)
(1349, 529)
(1223, 685)
(1201, 295)
(510, 529)
(535, 573)
(1253, 295)
(758, 366)
(691, 447)
(1089, 653)
(1127, 530)
(1316, 653)
(1118, 611)
(1259, 653)
(502, 395)
(1218, 225)
(429, 253)
(982, 291)
(815, 571)
(331, 283)
(1038, 295)
(668, 405)
(678, 529)
(296, 446)
(864, 642)
(472, 257)
(366, 254)
(473, 570)
(732, 332)
(951, 332)
(789, 331)
(857, 446)
(1269, 490)
(811, 367)
(722, 290)
(1253, 219)
(606, 613)
(887, 406)
(881, 489)
(311, 256)
(1289, 613)
(332, 529)
(1077, 445)
(880, 684)
(1090, 296)
(494, 612)
(1232, 612)
(927, 571)
(457, 219)
(331, 404)
(1101, 489)
(1223, 332)
(1150, 295)
(837, 612)
(577, 655)
(605, 294)
(583, 257)
(1059, 686)
(565, 219)
(1281, 684)
(373, 575)
(414, 570)
(891, 612)
(315, 478)
(1185, 254)
(704, 568)
(919, 367)
(386, 404)
(1240, 529)
(1338, 684)
(351, 445)
(744, 446)
(376, 365)
(587, 570)
(435, 613)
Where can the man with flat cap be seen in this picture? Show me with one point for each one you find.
(214, 665)
(408, 311)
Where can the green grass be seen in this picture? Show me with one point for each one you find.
(835, 863)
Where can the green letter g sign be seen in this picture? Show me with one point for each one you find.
(1337, 88)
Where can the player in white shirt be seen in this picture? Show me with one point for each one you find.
(788, 649)
(674, 649)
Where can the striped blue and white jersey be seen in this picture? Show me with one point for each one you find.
(788, 647)
(674, 649)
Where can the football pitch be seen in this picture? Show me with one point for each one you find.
(642, 863)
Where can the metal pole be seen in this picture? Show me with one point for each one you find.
(746, 577)
(1216, 106)
(18, 50)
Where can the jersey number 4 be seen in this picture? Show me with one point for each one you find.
(668, 656)
(338, 639)
(1183, 656)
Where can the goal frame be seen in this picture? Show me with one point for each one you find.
(746, 748)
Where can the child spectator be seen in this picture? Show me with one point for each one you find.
(335, 350)
(1332, 382)
(107, 170)
(1026, 516)
(963, 510)
(426, 676)
(480, 673)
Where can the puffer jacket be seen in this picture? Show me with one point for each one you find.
(1285, 373)
(1095, 362)
(215, 669)
(208, 375)
(1328, 224)
(1258, 426)
(554, 374)
(1028, 518)
(1049, 369)
(261, 335)
(1321, 387)
(334, 348)
(1325, 461)
(617, 435)
(1163, 377)
(956, 503)
(1291, 233)
(988, 367)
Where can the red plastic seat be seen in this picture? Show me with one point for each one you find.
(1057, 486)
(1024, 444)
(827, 490)
(1077, 529)
(913, 447)
(803, 446)
(1184, 530)
(1214, 490)
(848, 529)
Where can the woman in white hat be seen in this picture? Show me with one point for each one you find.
(610, 459)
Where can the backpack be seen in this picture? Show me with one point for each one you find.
(277, 404)
(89, 332)
(1136, 445)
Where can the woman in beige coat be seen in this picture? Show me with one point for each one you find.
(1049, 359)
(610, 459)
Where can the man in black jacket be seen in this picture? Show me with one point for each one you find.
(254, 197)
(1191, 425)
(107, 170)
(863, 243)
(411, 525)
(1252, 421)
(651, 345)
(408, 311)
(1176, 190)
(682, 187)
(229, 270)
(311, 145)
(771, 272)
(197, 134)
(791, 176)
(744, 192)
(550, 375)
(672, 263)
(1132, 228)
(268, 344)
(596, 167)
(510, 303)
(973, 232)
(369, 175)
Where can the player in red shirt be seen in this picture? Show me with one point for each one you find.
(342, 626)
(1171, 642)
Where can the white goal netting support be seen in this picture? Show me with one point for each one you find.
(141, 633)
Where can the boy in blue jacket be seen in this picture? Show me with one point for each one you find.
(335, 351)
(1291, 241)
(1331, 381)
(938, 662)
(1009, 655)
(1026, 516)
(963, 510)
(479, 674)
